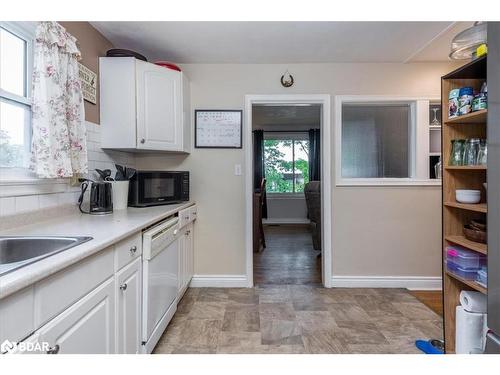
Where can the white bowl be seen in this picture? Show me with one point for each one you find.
(468, 196)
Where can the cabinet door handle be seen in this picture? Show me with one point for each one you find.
(133, 250)
(123, 286)
(54, 349)
(143, 140)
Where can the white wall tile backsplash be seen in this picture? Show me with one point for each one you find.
(98, 158)
(7, 206)
(104, 159)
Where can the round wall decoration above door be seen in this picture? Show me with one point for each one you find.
(287, 79)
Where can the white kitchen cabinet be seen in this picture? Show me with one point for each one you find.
(128, 308)
(143, 106)
(189, 248)
(17, 315)
(87, 327)
(186, 258)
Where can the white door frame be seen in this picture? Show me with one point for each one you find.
(326, 178)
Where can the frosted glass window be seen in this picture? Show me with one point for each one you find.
(376, 140)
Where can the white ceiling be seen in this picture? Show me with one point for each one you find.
(284, 42)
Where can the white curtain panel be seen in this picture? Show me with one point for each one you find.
(59, 147)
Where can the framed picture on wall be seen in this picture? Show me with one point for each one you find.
(218, 128)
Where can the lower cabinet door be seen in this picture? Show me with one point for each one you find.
(87, 327)
(182, 260)
(189, 246)
(128, 289)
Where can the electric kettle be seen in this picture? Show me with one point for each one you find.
(101, 197)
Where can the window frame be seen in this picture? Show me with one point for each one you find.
(27, 35)
(22, 181)
(418, 143)
(286, 136)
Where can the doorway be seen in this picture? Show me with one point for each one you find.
(292, 130)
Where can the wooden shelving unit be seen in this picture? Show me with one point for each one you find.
(478, 117)
(474, 285)
(455, 215)
(472, 245)
(466, 167)
(479, 207)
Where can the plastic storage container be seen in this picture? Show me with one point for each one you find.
(466, 273)
(464, 258)
(482, 276)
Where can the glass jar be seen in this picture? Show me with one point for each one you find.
(457, 152)
(482, 155)
(471, 151)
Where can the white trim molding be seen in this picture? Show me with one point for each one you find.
(219, 281)
(326, 179)
(407, 282)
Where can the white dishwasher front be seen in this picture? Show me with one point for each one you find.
(160, 280)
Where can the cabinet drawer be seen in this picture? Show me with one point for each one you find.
(16, 315)
(128, 250)
(57, 292)
(184, 216)
(193, 212)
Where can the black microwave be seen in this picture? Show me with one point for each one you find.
(153, 188)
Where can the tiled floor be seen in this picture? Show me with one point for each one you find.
(289, 257)
(299, 319)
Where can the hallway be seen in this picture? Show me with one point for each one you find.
(289, 258)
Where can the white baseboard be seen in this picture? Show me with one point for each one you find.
(285, 221)
(408, 282)
(219, 281)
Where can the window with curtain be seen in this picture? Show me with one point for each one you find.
(376, 140)
(15, 104)
(286, 162)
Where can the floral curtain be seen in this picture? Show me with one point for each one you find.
(59, 147)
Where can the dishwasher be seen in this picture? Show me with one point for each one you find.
(159, 280)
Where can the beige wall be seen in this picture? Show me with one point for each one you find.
(92, 45)
(383, 231)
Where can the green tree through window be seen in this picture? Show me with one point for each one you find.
(286, 163)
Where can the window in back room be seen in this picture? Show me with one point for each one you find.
(286, 162)
(15, 106)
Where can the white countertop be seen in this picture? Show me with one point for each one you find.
(105, 230)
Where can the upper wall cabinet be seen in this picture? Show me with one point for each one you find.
(144, 107)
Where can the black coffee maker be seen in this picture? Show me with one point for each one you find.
(101, 197)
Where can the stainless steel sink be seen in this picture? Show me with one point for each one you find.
(17, 251)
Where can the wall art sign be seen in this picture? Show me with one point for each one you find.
(89, 83)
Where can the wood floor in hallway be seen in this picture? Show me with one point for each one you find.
(288, 259)
(430, 298)
(298, 319)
